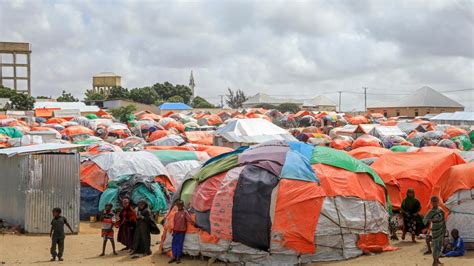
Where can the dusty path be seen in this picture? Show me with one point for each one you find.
(84, 248)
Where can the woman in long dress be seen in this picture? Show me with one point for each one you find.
(128, 219)
(142, 237)
(411, 218)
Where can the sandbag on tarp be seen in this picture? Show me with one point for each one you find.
(89, 202)
(11, 132)
(251, 223)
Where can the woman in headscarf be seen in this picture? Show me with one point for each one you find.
(128, 219)
(142, 237)
(411, 218)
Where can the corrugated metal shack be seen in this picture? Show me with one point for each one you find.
(35, 179)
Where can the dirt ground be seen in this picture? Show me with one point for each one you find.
(85, 247)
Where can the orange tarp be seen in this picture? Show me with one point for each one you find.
(101, 113)
(339, 182)
(45, 112)
(456, 178)
(200, 137)
(374, 242)
(77, 130)
(150, 117)
(93, 176)
(455, 131)
(56, 120)
(297, 210)
(357, 120)
(212, 151)
(340, 144)
(368, 152)
(420, 171)
(158, 134)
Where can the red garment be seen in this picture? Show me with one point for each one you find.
(128, 215)
(181, 220)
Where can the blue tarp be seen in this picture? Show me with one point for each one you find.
(298, 167)
(89, 202)
(175, 106)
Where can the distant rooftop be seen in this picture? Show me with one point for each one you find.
(423, 97)
(175, 106)
(106, 74)
(261, 98)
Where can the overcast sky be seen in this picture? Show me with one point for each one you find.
(297, 48)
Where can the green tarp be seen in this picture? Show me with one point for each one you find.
(465, 141)
(91, 116)
(11, 132)
(187, 190)
(217, 167)
(343, 160)
(400, 148)
(471, 136)
(169, 156)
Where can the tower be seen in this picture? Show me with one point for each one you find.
(191, 83)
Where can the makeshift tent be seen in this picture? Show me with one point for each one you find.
(264, 205)
(243, 132)
(368, 152)
(171, 156)
(456, 189)
(417, 170)
(101, 168)
(212, 151)
(200, 137)
(384, 131)
(366, 140)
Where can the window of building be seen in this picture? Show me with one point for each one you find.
(385, 113)
(416, 113)
(398, 112)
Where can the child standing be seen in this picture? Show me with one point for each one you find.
(181, 220)
(108, 223)
(438, 228)
(57, 234)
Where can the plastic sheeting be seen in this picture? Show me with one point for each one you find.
(170, 156)
(89, 202)
(128, 163)
(251, 223)
(179, 170)
(368, 152)
(417, 170)
(461, 213)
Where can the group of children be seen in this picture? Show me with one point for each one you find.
(109, 221)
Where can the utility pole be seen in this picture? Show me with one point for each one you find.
(365, 98)
(222, 100)
(340, 92)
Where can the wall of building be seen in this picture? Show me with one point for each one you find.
(412, 111)
(113, 104)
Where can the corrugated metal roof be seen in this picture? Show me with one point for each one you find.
(321, 100)
(423, 97)
(460, 116)
(175, 106)
(40, 148)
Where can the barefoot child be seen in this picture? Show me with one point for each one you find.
(108, 223)
(438, 228)
(181, 220)
(57, 234)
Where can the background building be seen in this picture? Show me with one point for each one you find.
(423, 101)
(319, 103)
(15, 66)
(104, 81)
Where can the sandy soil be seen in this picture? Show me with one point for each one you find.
(85, 247)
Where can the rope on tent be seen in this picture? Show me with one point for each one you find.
(340, 227)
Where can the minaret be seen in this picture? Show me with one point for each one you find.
(191, 83)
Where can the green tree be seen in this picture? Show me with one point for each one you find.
(199, 102)
(42, 97)
(235, 99)
(266, 106)
(167, 90)
(288, 107)
(66, 97)
(175, 99)
(124, 113)
(21, 101)
(146, 95)
(91, 95)
(118, 93)
(6, 92)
